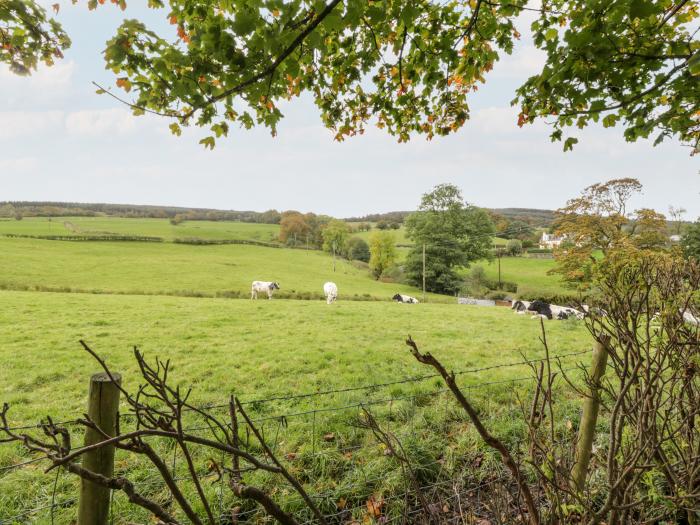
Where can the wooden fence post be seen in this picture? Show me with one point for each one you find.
(589, 418)
(103, 406)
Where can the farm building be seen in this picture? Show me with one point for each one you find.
(550, 241)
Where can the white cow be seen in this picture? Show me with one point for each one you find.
(263, 286)
(400, 298)
(331, 291)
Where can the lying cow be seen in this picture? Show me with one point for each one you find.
(520, 307)
(263, 286)
(540, 308)
(564, 312)
(331, 291)
(400, 298)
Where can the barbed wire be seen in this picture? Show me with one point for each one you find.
(415, 379)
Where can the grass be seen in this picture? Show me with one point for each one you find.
(255, 349)
(260, 348)
(165, 268)
(263, 349)
(215, 230)
(530, 274)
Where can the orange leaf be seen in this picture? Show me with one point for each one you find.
(56, 7)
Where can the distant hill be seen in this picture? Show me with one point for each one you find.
(533, 216)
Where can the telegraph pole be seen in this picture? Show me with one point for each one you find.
(333, 256)
(423, 272)
(499, 254)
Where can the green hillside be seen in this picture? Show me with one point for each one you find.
(166, 268)
(139, 226)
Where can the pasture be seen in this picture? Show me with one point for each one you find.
(265, 349)
(177, 269)
(210, 230)
(531, 274)
(174, 301)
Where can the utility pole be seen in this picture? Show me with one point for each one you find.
(423, 272)
(498, 254)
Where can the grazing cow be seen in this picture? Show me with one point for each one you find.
(263, 286)
(400, 298)
(331, 291)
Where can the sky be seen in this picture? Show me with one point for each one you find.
(60, 141)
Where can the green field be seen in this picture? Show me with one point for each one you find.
(177, 302)
(258, 350)
(530, 274)
(166, 268)
(214, 230)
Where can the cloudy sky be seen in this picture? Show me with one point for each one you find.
(60, 141)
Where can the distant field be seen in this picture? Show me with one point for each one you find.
(164, 268)
(144, 227)
(530, 274)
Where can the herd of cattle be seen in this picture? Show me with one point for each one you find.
(541, 309)
(537, 308)
(330, 290)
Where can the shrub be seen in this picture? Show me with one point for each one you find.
(514, 247)
(357, 249)
(393, 274)
(477, 275)
(497, 295)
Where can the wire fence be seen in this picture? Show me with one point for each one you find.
(318, 434)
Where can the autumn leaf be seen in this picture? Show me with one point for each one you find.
(56, 8)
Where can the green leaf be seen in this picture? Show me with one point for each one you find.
(694, 64)
(641, 9)
(550, 34)
(208, 142)
(244, 24)
(569, 143)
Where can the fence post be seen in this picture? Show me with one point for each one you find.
(103, 405)
(589, 418)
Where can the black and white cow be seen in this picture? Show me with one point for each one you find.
(520, 307)
(540, 308)
(263, 286)
(565, 312)
(400, 298)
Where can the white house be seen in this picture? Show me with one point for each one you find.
(675, 238)
(550, 241)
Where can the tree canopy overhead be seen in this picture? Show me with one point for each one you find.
(28, 36)
(406, 65)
